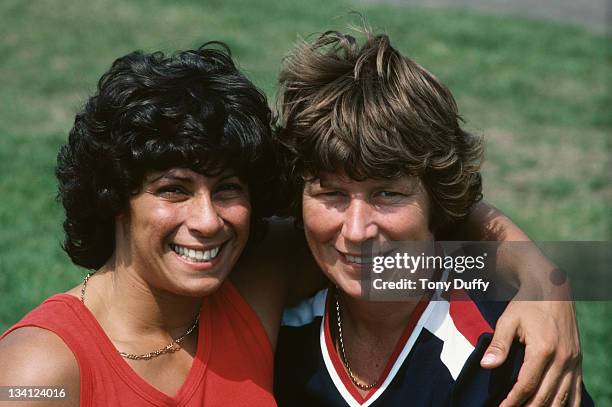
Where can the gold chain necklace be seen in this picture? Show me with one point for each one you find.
(355, 381)
(172, 347)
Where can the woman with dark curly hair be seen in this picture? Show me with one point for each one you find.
(165, 171)
(375, 154)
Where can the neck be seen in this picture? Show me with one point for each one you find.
(375, 318)
(126, 306)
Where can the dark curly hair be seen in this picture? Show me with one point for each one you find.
(369, 112)
(151, 112)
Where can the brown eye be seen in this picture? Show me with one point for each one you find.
(232, 186)
(229, 190)
(170, 191)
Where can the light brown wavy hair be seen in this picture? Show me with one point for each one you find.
(367, 111)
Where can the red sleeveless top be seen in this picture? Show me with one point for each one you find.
(233, 364)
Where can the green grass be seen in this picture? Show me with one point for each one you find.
(538, 91)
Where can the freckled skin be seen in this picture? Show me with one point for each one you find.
(340, 214)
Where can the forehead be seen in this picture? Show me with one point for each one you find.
(338, 179)
(186, 174)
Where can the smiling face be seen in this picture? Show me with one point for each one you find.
(184, 231)
(341, 214)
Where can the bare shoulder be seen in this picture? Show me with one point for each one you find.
(264, 264)
(277, 271)
(261, 274)
(33, 356)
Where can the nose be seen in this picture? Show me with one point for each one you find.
(203, 217)
(359, 222)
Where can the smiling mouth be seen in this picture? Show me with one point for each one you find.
(357, 259)
(196, 256)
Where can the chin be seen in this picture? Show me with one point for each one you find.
(201, 287)
(350, 287)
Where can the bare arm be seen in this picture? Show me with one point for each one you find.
(551, 372)
(37, 357)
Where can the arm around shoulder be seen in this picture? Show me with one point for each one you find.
(33, 356)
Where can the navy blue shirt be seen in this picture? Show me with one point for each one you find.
(435, 363)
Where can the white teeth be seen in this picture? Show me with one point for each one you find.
(358, 259)
(195, 255)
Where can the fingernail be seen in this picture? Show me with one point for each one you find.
(488, 359)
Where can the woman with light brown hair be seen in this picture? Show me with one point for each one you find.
(374, 153)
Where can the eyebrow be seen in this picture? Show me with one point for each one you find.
(227, 175)
(394, 182)
(173, 177)
(170, 176)
(323, 183)
(380, 183)
(408, 186)
(326, 181)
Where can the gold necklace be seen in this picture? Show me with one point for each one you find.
(172, 347)
(355, 381)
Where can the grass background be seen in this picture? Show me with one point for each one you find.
(539, 91)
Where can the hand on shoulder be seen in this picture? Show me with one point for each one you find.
(32, 356)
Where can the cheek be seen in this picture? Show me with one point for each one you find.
(152, 220)
(320, 233)
(314, 218)
(412, 225)
(320, 223)
(238, 214)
